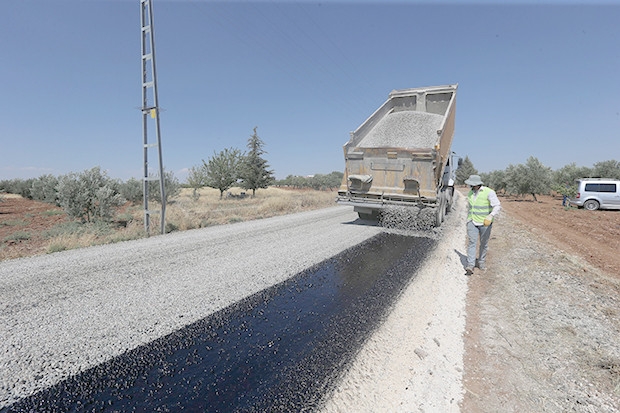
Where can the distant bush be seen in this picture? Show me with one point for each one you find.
(89, 196)
(132, 191)
(318, 181)
(17, 186)
(18, 236)
(172, 187)
(44, 189)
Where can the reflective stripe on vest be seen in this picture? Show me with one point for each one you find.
(480, 207)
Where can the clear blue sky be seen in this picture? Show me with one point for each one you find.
(534, 80)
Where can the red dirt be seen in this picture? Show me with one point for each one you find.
(23, 223)
(592, 235)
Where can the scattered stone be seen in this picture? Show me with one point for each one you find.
(420, 353)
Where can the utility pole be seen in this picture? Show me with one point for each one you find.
(150, 109)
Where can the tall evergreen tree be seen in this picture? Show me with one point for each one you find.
(463, 171)
(254, 171)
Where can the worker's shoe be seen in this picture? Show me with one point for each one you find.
(469, 270)
(482, 266)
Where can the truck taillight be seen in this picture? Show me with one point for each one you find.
(578, 195)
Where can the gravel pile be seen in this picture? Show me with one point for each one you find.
(63, 313)
(410, 219)
(405, 129)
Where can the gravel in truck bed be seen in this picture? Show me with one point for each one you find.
(405, 129)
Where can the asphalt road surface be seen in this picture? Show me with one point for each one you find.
(253, 316)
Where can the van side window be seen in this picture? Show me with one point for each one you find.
(600, 188)
(607, 188)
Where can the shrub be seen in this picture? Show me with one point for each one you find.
(172, 187)
(19, 236)
(17, 186)
(132, 191)
(44, 189)
(88, 196)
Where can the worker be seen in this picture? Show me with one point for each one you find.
(482, 207)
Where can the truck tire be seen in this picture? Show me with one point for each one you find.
(440, 210)
(450, 193)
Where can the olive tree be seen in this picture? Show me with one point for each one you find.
(133, 191)
(495, 180)
(607, 169)
(196, 179)
(88, 196)
(563, 179)
(44, 189)
(172, 187)
(532, 178)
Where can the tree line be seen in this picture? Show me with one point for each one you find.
(90, 195)
(534, 178)
(93, 196)
(231, 167)
(318, 182)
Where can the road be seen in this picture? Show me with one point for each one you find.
(66, 313)
(63, 313)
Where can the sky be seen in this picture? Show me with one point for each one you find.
(534, 78)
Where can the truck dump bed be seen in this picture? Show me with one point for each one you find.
(401, 153)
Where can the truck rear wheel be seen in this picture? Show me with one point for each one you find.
(440, 210)
(450, 194)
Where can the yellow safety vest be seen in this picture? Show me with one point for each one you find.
(480, 207)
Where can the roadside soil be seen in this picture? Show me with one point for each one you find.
(23, 223)
(542, 330)
(543, 322)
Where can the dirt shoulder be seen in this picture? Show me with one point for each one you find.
(543, 322)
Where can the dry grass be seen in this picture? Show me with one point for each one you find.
(186, 212)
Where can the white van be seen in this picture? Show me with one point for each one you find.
(595, 193)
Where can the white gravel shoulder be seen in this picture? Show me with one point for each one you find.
(66, 312)
(414, 362)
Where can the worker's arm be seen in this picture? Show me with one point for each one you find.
(494, 203)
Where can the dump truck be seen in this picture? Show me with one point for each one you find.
(401, 155)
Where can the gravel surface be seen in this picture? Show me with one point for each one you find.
(405, 129)
(414, 361)
(65, 312)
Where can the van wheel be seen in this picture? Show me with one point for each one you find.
(591, 205)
